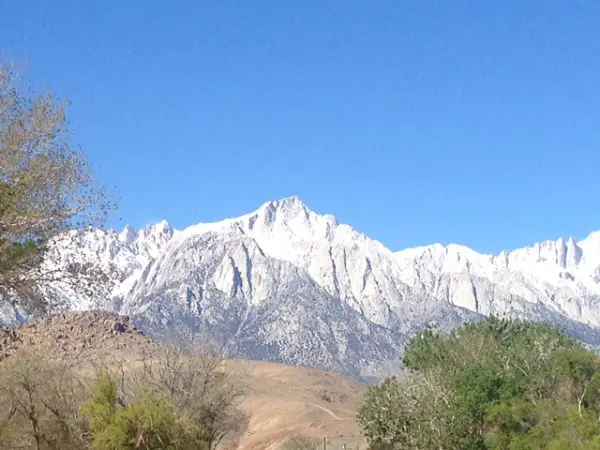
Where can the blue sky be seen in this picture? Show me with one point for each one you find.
(474, 122)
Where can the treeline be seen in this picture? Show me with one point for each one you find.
(167, 400)
(497, 384)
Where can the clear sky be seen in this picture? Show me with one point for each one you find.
(475, 122)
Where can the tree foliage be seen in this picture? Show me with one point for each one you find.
(46, 189)
(149, 422)
(496, 384)
(188, 402)
(198, 384)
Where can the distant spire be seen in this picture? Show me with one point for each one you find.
(127, 235)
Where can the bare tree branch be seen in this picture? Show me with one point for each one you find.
(47, 189)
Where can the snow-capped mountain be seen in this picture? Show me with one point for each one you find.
(560, 276)
(284, 283)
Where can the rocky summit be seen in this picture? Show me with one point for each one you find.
(286, 284)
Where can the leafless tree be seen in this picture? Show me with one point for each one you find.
(193, 376)
(39, 401)
(200, 387)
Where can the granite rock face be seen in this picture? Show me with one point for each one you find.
(286, 284)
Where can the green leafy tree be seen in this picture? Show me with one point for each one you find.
(547, 425)
(499, 383)
(150, 422)
(402, 412)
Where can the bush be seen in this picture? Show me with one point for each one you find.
(302, 443)
(174, 402)
(149, 422)
(198, 385)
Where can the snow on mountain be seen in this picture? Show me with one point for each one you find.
(284, 283)
(560, 276)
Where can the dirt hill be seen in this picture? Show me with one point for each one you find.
(286, 402)
(88, 334)
(283, 402)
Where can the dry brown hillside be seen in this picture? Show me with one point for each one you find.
(286, 402)
(75, 335)
(283, 402)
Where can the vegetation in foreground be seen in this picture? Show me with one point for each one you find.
(47, 190)
(302, 443)
(498, 384)
(170, 401)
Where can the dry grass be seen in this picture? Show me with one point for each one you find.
(285, 402)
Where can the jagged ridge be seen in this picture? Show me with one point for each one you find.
(284, 283)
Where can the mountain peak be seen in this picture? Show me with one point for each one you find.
(286, 283)
(162, 227)
(292, 203)
(284, 210)
(127, 235)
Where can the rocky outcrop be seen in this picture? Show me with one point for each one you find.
(73, 334)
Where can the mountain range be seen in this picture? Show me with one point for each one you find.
(286, 284)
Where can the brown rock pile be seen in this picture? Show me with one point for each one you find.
(74, 334)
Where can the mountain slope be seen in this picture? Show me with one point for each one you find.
(562, 276)
(286, 284)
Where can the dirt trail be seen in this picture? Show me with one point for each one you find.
(330, 412)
